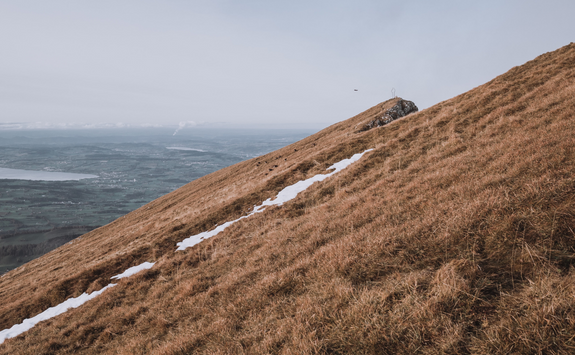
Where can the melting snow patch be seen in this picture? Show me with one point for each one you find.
(66, 305)
(288, 193)
(134, 270)
(50, 313)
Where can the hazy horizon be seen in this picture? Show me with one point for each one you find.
(255, 64)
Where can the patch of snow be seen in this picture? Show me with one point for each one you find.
(288, 193)
(134, 270)
(195, 239)
(50, 313)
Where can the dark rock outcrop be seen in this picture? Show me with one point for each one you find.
(400, 109)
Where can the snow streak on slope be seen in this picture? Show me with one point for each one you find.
(134, 270)
(283, 196)
(76, 302)
(49, 313)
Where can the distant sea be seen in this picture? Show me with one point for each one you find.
(58, 184)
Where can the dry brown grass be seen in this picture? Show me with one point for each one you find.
(455, 235)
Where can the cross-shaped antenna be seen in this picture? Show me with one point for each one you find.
(393, 93)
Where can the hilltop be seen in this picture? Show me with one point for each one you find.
(455, 234)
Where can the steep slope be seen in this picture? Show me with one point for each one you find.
(455, 234)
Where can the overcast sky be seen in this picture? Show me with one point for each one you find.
(248, 63)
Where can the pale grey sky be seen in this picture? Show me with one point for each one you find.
(292, 64)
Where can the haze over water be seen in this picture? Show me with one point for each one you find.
(58, 184)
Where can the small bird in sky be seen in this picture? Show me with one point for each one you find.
(355, 90)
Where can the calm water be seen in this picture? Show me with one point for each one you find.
(44, 204)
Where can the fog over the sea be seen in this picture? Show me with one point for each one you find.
(266, 64)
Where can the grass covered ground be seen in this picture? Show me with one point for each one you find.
(454, 235)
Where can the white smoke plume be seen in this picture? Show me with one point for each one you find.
(184, 124)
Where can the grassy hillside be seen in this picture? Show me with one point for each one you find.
(456, 234)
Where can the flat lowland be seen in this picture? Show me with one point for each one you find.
(456, 234)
